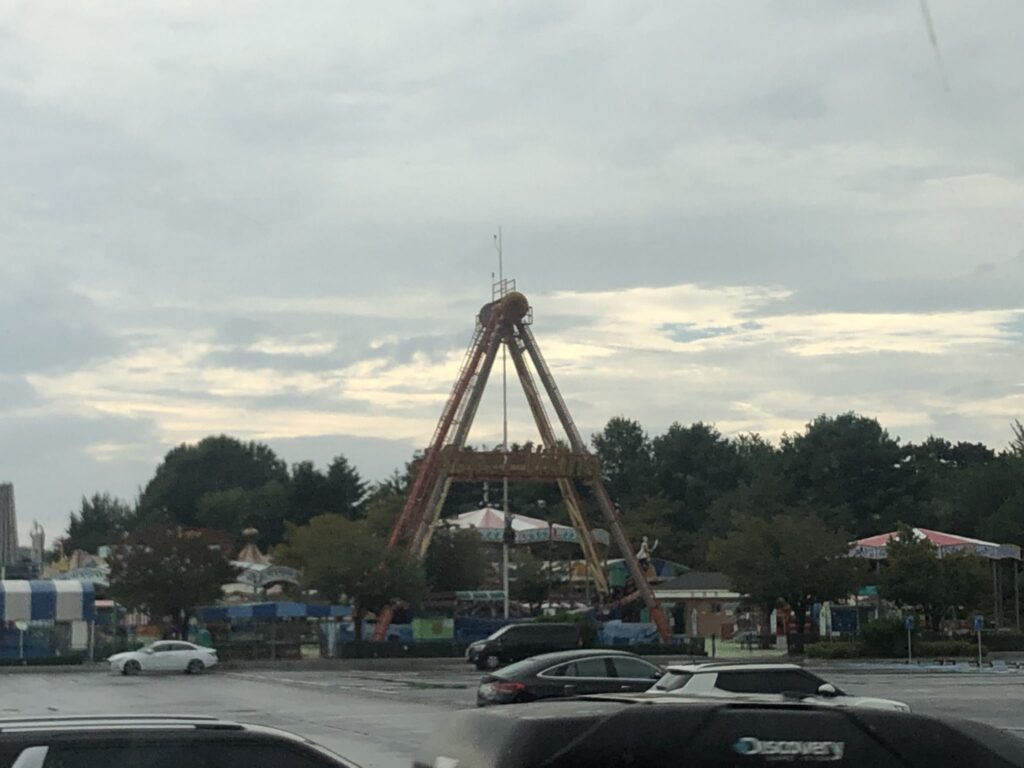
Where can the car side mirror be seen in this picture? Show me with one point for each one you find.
(147, 650)
(827, 689)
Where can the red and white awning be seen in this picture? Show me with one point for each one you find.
(874, 547)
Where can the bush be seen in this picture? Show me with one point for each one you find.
(1003, 641)
(884, 638)
(937, 648)
(837, 650)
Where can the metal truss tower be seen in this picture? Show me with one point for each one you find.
(506, 319)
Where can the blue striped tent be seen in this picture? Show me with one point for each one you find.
(46, 600)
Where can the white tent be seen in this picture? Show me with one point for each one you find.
(490, 523)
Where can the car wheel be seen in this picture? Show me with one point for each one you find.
(195, 667)
(131, 668)
(492, 661)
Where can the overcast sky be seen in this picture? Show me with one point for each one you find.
(274, 220)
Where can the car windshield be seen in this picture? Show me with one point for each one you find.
(503, 631)
(672, 681)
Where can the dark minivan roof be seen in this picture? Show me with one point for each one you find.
(704, 733)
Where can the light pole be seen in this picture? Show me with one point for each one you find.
(541, 505)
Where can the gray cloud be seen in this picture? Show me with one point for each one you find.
(15, 392)
(56, 457)
(279, 224)
(45, 327)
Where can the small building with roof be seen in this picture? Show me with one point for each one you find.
(701, 604)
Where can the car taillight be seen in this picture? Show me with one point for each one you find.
(508, 687)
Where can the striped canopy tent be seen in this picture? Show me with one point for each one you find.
(490, 523)
(47, 600)
(874, 547)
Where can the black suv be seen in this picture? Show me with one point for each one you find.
(520, 641)
(154, 741)
(638, 731)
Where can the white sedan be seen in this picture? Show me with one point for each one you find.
(750, 681)
(164, 656)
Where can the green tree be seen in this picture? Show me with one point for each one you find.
(455, 560)
(756, 455)
(342, 558)
(383, 510)
(790, 557)
(214, 464)
(307, 493)
(345, 489)
(988, 500)
(529, 583)
(911, 575)
(1017, 442)
(652, 517)
(914, 576)
(236, 509)
(966, 582)
(101, 520)
(693, 467)
(626, 460)
(170, 571)
(849, 468)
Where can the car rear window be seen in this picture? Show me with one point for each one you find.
(124, 755)
(767, 681)
(635, 669)
(153, 754)
(526, 666)
(672, 681)
(588, 668)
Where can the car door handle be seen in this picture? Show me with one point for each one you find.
(625, 687)
(568, 690)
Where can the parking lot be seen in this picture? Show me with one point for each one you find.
(377, 715)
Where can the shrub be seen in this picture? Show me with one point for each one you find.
(936, 648)
(837, 650)
(1003, 641)
(884, 638)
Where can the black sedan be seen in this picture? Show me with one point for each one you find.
(566, 673)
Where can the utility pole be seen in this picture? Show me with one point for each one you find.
(504, 437)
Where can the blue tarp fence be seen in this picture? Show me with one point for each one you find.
(283, 610)
(626, 633)
(467, 628)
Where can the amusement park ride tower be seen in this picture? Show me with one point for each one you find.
(506, 319)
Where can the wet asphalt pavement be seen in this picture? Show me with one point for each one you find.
(379, 716)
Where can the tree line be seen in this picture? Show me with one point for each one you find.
(777, 517)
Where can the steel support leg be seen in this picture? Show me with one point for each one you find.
(614, 522)
(572, 500)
